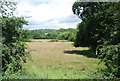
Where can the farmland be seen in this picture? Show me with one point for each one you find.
(60, 60)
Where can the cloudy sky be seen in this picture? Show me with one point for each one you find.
(50, 14)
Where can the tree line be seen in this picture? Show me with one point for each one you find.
(60, 34)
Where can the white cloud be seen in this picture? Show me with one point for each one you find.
(48, 13)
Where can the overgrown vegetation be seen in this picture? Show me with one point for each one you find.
(100, 30)
(14, 48)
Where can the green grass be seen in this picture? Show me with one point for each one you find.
(64, 41)
(59, 60)
(62, 61)
(57, 72)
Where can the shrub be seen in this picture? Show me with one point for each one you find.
(110, 54)
(54, 40)
(14, 47)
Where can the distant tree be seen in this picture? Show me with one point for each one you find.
(62, 34)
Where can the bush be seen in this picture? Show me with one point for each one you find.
(14, 47)
(21, 74)
(110, 54)
(54, 40)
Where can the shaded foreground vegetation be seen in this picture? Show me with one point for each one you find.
(13, 45)
(100, 30)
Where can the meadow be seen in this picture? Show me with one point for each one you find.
(60, 60)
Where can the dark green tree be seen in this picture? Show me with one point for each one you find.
(14, 48)
(100, 30)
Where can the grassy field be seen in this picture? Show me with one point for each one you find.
(60, 60)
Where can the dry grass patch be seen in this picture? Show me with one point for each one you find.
(50, 60)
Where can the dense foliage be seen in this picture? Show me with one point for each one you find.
(100, 30)
(61, 34)
(13, 52)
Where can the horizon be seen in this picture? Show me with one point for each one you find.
(49, 29)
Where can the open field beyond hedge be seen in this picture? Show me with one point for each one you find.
(60, 60)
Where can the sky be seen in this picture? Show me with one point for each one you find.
(47, 14)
